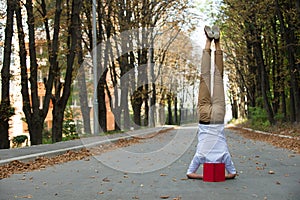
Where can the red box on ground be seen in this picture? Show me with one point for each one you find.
(214, 172)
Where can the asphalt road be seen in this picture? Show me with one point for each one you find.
(155, 169)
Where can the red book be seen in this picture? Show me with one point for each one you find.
(214, 172)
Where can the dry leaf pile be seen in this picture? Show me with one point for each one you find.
(288, 143)
(17, 167)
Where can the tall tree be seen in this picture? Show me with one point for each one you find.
(63, 90)
(5, 108)
(34, 116)
(264, 78)
(35, 113)
(288, 27)
(266, 33)
(83, 94)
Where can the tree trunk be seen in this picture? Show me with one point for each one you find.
(4, 137)
(253, 71)
(102, 103)
(62, 91)
(38, 116)
(35, 129)
(146, 102)
(124, 84)
(5, 77)
(114, 101)
(289, 37)
(292, 104)
(34, 116)
(125, 108)
(234, 106)
(263, 77)
(57, 123)
(83, 96)
(170, 115)
(136, 102)
(153, 86)
(152, 106)
(283, 105)
(176, 111)
(139, 94)
(127, 60)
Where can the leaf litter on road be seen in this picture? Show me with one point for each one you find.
(292, 144)
(17, 167)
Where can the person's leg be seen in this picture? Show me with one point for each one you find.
(218, 99)
(204, 97)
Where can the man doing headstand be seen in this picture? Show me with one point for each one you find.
(212, 145)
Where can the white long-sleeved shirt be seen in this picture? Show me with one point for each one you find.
(212, 148)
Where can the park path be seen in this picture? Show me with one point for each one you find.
(155, 169)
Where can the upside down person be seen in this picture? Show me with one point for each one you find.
(212, 146)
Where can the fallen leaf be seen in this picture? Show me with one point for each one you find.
(29, 196)
(42, 162)
(177, 198)
(106, 179)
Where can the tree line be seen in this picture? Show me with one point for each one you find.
(67, 28)
(263, 57)
(145, 62)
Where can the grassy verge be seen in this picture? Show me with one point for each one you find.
(282, 128)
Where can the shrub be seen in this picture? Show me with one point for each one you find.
(258, 117)
(69, 127)
(18, 140)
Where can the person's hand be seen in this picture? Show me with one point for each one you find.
(230, 176)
